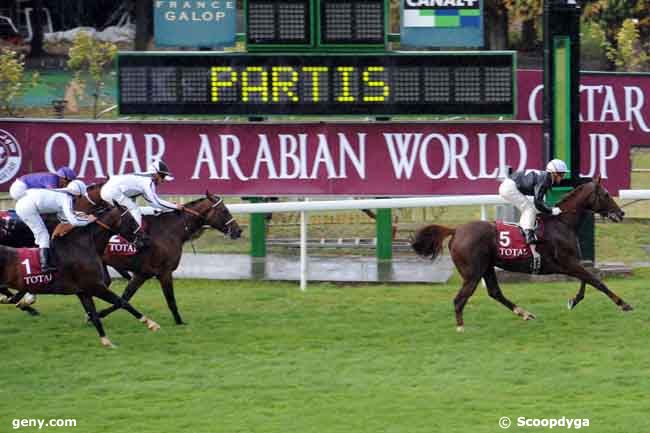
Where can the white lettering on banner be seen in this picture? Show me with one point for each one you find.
(608, 110)
(404, 147)
(154, 155)
(264, 157)
(358, 161)
(129, 156)
(602, 148)
(288, 149)
(91, 154)
(205, 157)
(49, 148)
(110, 170)
(230, 159)
(632, 109)
(292, 157)
(323, 155)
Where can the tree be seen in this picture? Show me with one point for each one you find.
(628, 54)
(12, 79)
(37, 30)
(92, 57)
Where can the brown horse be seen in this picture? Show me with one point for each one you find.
(80, 269)
(473, 248)
(168, 232)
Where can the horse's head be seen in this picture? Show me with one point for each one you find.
(603, 203)
(92, 200)
(118, 220)
(219, 217)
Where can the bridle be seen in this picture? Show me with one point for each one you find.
(203, 217)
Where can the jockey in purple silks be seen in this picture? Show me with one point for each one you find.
(46, 180)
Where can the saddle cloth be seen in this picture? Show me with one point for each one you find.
(30, 269)
(118, 246)
(511, 243)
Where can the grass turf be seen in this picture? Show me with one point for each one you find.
(263, 357)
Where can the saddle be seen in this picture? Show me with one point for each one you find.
(61, 230)
(30, 269)
(511, 241)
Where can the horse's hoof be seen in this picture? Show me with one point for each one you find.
(107, 343)
(460, 329)
(571, 304)
(4, 299)
(627, 307)
(27, 300)
(529, 316)
(152, 326)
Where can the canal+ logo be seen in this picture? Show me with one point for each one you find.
(10, 156)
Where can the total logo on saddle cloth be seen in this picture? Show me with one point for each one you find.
(31, 271)
(512, 243)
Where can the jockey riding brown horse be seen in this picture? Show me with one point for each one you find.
(474, 249)
(80, 269)
(167, 233)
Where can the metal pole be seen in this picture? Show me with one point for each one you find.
(303, 249)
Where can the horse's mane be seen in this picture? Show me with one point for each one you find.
(573, 193)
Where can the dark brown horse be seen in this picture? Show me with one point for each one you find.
(80, 269)
(167, 234)
(473, 249)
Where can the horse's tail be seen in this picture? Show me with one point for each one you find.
(428, 240)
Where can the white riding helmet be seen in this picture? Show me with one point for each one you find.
(556, 166)
(159, 166)
(76, 187)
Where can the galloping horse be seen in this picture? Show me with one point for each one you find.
(168, 232)
(80, 269)
(473, 249)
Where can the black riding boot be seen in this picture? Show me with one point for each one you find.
(46, 260)
(531, 237)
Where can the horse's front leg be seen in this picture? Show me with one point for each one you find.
(134, 284)
(578, 297)
(110, 297)
(575, 269)
(6, 297)
(91, 311)
(167, 285)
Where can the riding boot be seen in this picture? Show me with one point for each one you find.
(142, 240)
(46, 261)
(531, 237)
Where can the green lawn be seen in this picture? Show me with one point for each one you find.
(262, 357)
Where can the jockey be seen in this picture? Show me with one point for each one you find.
(43, 201)
(124, 188)
(535, 183)
(60, 179)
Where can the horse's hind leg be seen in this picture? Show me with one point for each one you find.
(91, 311)
(492, 284)
(134, 284)
(578, 297)
(465, 292)
(167, 285)
(118, 302)
(575, 269)
(10, 298)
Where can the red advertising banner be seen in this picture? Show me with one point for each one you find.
(356, 159)
(604, 97)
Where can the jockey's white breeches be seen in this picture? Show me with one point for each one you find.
(27, 211)
(17, 189)
(114, 194)
(509, 192)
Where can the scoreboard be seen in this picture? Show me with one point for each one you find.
(424, 83)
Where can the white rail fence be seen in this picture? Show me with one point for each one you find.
(412, 202)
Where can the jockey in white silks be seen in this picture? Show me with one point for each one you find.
(123, 189)
(50, 201)
(536, 183)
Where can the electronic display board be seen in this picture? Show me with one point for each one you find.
(278, 22)
(424, 83)
(352, 22)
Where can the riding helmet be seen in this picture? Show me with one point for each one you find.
(160, 167)
(556, 166)
(66, 172)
